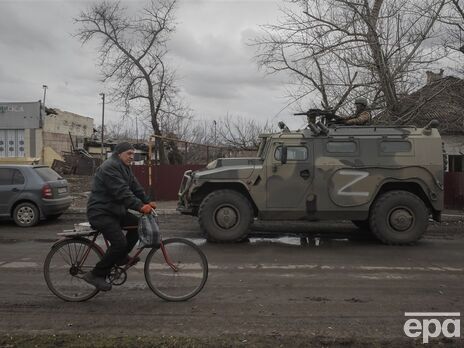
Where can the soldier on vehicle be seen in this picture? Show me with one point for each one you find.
(362, 116)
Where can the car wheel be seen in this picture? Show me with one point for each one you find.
(399, 217)
(225, 216)
(26, 214)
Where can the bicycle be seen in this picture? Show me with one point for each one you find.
(176, 271)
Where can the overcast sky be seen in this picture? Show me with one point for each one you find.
(209, 50)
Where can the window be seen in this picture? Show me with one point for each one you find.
(139, 156)
(341, 146)
(395, 146)
(47, 174)
(11, 176)
(294, 153)
(261, 147)
(18, 178)
(6, 176)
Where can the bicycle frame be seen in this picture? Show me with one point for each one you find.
(126, 267)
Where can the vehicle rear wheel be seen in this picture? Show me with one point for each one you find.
(66, 264)
(399, 217)
(225, 216)
(26, 214)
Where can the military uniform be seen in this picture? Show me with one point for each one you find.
(363, 118)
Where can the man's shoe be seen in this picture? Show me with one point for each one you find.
(99, 282)
(129, 261)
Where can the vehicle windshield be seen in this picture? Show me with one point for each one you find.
(47, 174)
(261, 147)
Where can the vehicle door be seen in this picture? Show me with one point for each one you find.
(288, 183)
(12, 183)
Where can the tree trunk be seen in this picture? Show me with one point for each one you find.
(159, 145)
(382, 68)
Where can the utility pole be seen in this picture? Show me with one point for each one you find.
(103, 124)
(45, 94)
(136, 130)
(215, 138)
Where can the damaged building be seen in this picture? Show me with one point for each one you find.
(29, 134)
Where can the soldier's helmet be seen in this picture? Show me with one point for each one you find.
(361, 100)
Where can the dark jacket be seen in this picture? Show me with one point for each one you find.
(114, 190)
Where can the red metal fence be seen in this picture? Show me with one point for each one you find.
(454, 190)
(165, 179)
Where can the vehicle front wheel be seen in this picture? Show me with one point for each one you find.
(399, 217)
(26, 214)
(225, 216)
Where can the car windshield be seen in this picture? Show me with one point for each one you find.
(261, 147)
(48, 174)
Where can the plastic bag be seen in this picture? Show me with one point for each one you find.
(149, 233)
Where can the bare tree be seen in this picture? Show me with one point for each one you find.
(453, 19)
(325, 75)
(133, 55)
(117, 132)
(241, 133)
(340, 47)
(179, 122)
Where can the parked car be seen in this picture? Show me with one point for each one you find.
(31, 192)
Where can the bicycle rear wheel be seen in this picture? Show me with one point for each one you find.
(66, 264)
(178, 273)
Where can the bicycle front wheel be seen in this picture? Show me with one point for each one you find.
(66, 264)
(177, 271)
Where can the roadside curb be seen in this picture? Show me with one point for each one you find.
(452, 217)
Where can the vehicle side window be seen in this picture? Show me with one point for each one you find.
(294, 153)
(6, 176)
(18, 178)
(341, 147)
(395, 146)
(47, 174)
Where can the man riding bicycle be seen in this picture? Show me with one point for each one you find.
(115, 190)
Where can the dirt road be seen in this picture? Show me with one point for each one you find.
(275, 291)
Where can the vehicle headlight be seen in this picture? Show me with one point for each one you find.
(212, 165)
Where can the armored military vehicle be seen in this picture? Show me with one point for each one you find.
(385, 179)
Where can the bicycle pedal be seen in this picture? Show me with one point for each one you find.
(117, 276)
